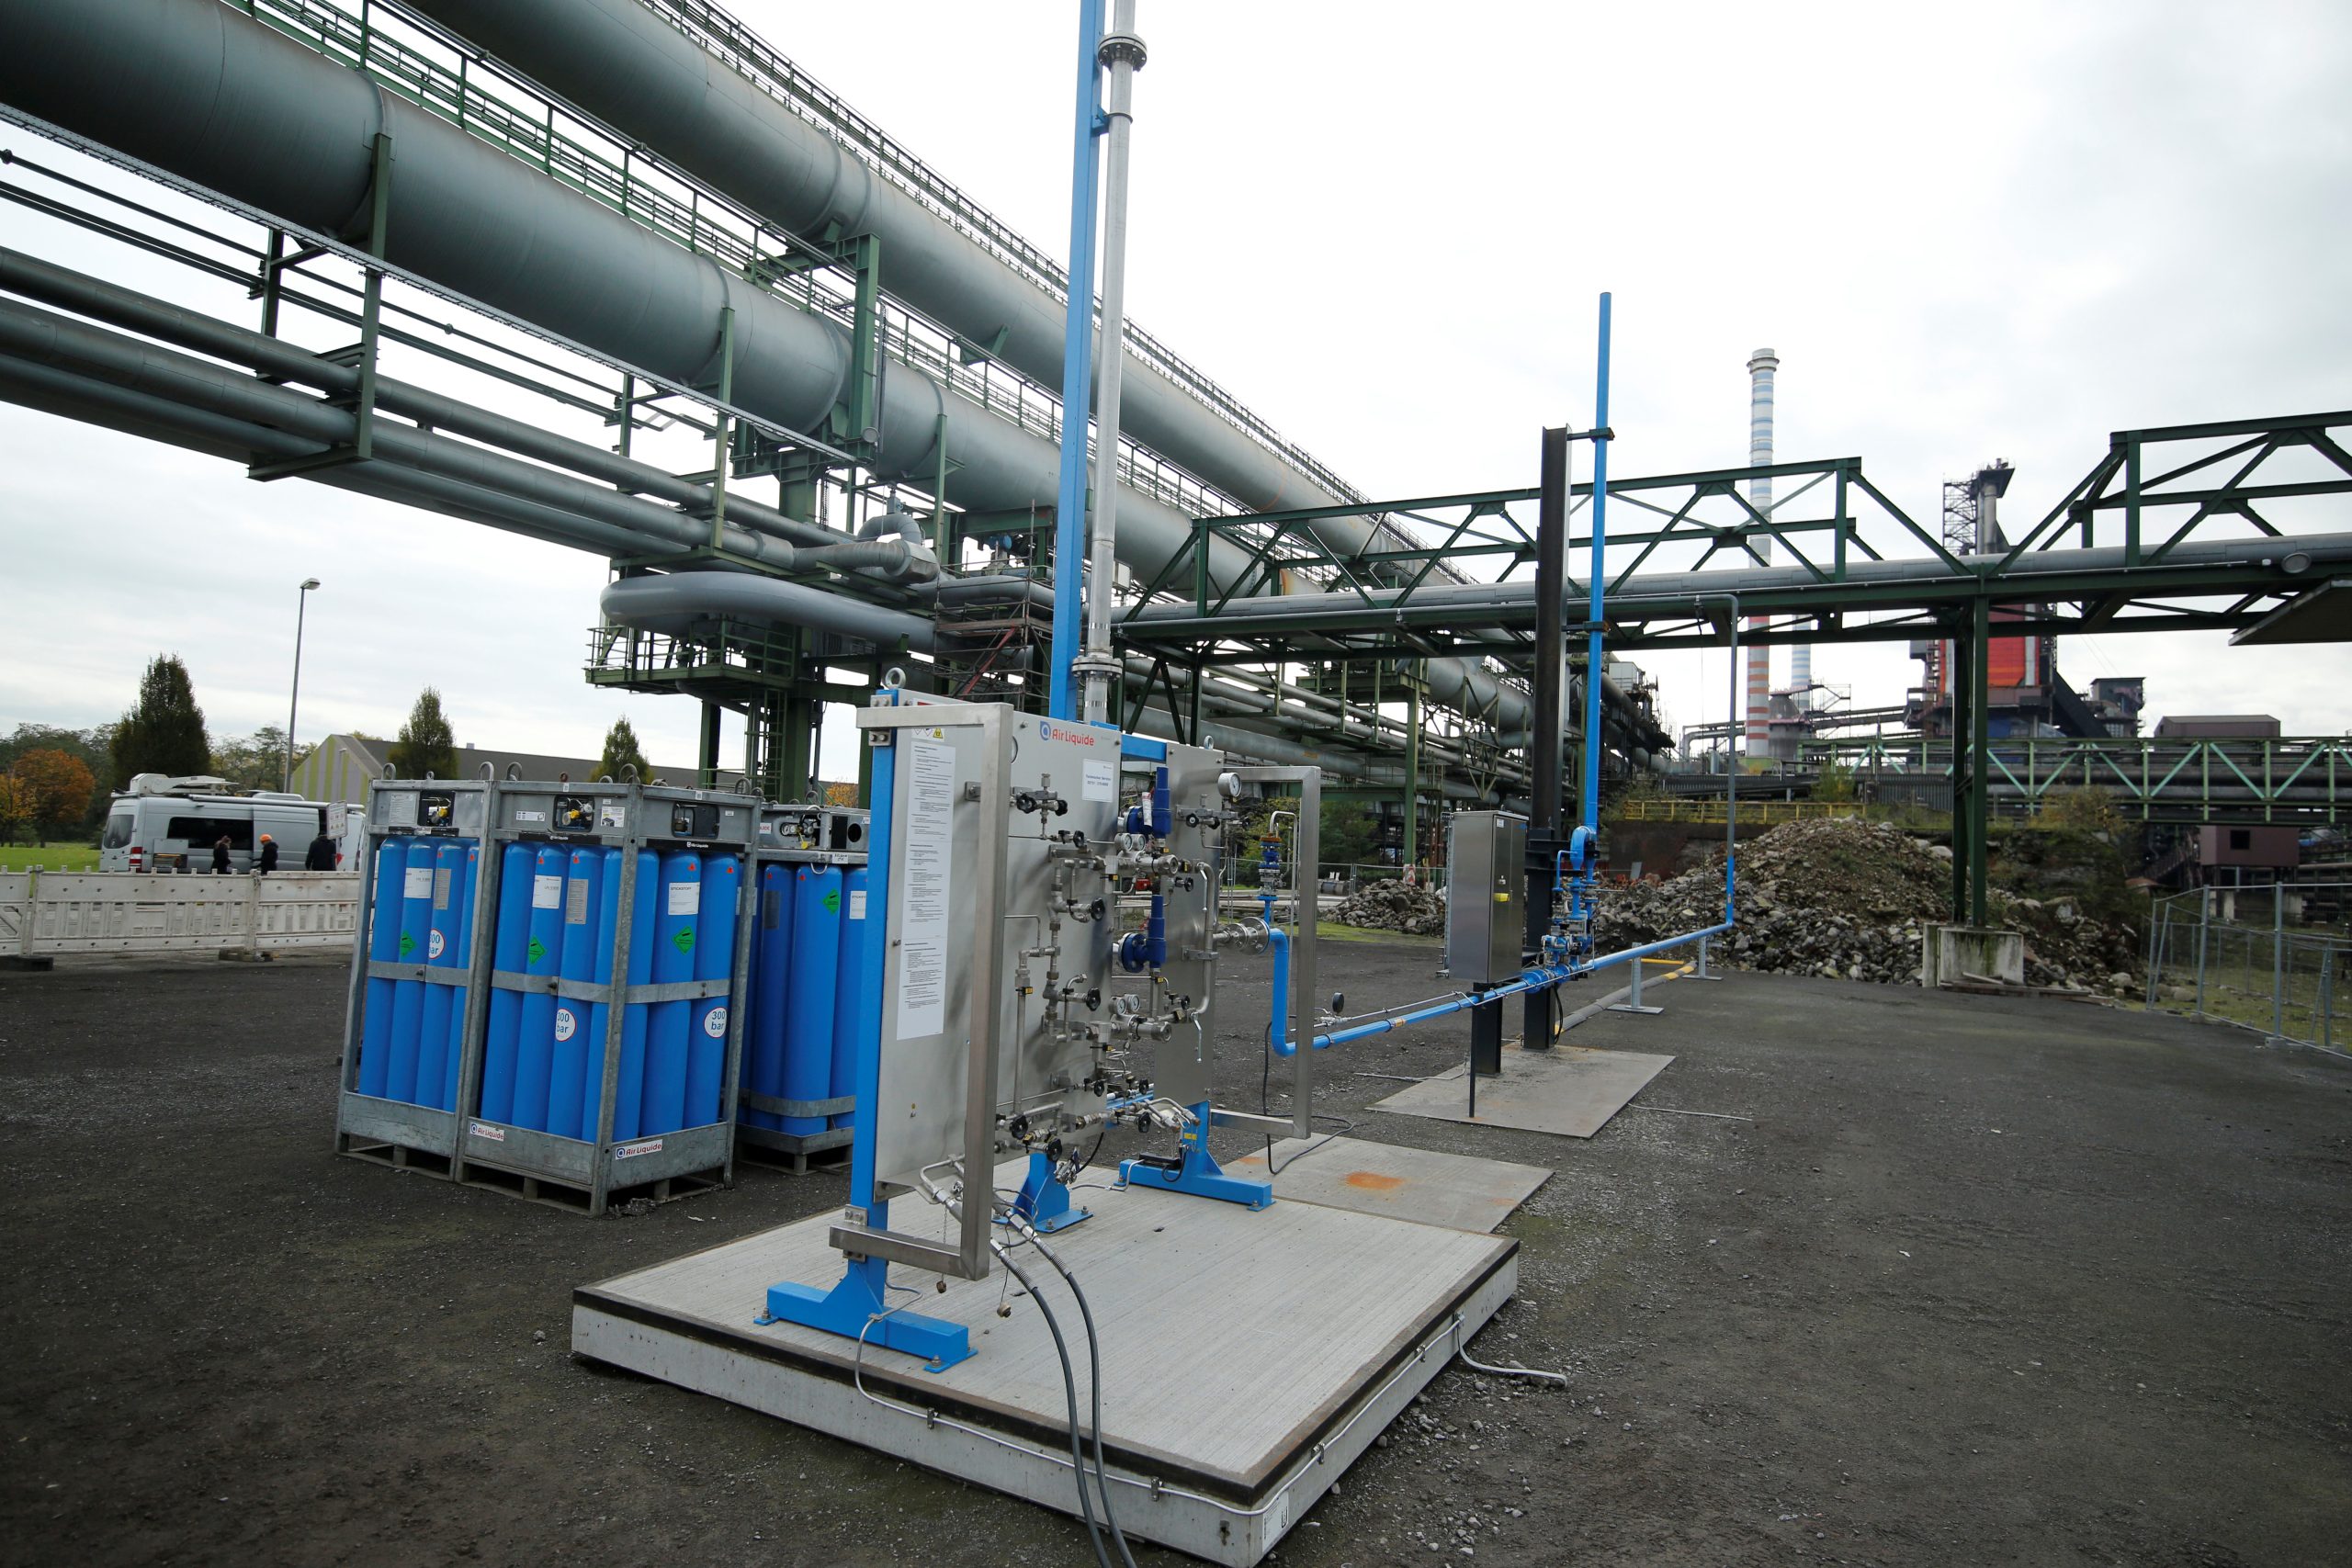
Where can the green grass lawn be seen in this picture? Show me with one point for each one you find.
(51, 857)
(1332, 931)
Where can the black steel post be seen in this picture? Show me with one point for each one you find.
(1964, 730)
(1546, 833)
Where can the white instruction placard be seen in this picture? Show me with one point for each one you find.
(1102, 781)
(857, 903)
(925, 885)
(685, 898)
(547, 892)
(418, 883)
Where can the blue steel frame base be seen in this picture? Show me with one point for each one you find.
(1199, 1176)
(856, 1309)
(1044, 1201)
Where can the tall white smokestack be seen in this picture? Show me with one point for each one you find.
(1760, 366)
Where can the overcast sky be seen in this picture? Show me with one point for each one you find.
(1984, 232)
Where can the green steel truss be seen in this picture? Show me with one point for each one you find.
(2153, 779)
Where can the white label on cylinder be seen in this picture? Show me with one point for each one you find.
(685, 898)
(547, 892)
(857, 904)
(1102, 781)
(565, 1023)
(575, 912)
(418, 883)
(714, 1023)
(435, 946)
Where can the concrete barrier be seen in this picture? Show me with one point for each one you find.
(43, 913)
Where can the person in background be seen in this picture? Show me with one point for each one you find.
(221, 855)
(267, 859)
(320, 856)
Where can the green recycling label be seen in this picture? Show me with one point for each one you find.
(684, 941)
(408, 944)
(833, 902)
(538, 950)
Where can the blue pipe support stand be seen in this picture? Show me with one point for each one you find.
(1199, 1174)
(1042, 1201)
(855, 1308)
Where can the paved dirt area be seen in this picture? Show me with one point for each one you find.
(1979, 1281)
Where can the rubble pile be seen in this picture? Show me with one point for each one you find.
(1849, 899)
(1393, 906)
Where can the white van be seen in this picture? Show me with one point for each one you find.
(171, 824)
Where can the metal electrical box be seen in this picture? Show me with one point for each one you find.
(1485, 856)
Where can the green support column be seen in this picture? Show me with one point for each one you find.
(1963, 719)
(1412, 762)
(707, 763)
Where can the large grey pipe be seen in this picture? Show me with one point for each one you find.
(208, 94)
(218, 99)
(627, 67)
(1121, 54)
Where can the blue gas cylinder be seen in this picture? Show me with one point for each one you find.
(513, 935)
(383, 947)
(676, 918)
(587, 946)
(722, 896)
(816, 982)
(542, 951)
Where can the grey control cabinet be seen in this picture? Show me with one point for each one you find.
(1485, 856)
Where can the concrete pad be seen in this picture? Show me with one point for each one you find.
(1568, 1090)
(1249, 1356)
(1459, 1191)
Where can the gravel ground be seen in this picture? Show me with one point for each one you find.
(1981, 1281)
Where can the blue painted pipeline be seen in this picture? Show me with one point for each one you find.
(1529, 980)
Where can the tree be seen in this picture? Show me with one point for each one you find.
(621, 750)
(163, 732)
(255, 761)
(57, 785)
(427, 744)
(1347, 834)
(16, 808)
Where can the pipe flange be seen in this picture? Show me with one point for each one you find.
(1121, 49)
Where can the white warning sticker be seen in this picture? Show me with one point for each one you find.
(685, 898)
(547, 893)
(490, 1130)
(611, 814)
(630, 1151)
(857, 903)
(435, 946)
(566, 1023)
(714, 1023)
(418, 883)
(1102, 781)
(924, 887)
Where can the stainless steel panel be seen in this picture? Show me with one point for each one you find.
(1485, 879)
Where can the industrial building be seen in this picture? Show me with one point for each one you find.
(1104, 1199)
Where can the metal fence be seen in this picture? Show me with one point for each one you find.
(2257, 957)
(43, 913)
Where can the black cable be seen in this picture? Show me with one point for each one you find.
(1095, 1371)
(1070, 1392)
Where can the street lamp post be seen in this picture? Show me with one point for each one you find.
(301, 602)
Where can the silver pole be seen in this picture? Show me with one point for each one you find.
(2278, 977)
(2204, 925)
(1121, 54)
(294, 700)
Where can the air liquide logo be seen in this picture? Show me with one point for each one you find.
(1047, 730)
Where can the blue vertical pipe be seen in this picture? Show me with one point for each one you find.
(628, 1084)
(675, 919)
(851, 1001)
(469, 872)
(882, 794)
(1078, 365)
(815, 988)
(542, 953)
(512, 933)
(408, 995)
(585, 1122)
(587, 950)
(383, 947)
(722, 901)
(771, 983)
(440, 953)
(1601, 437)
